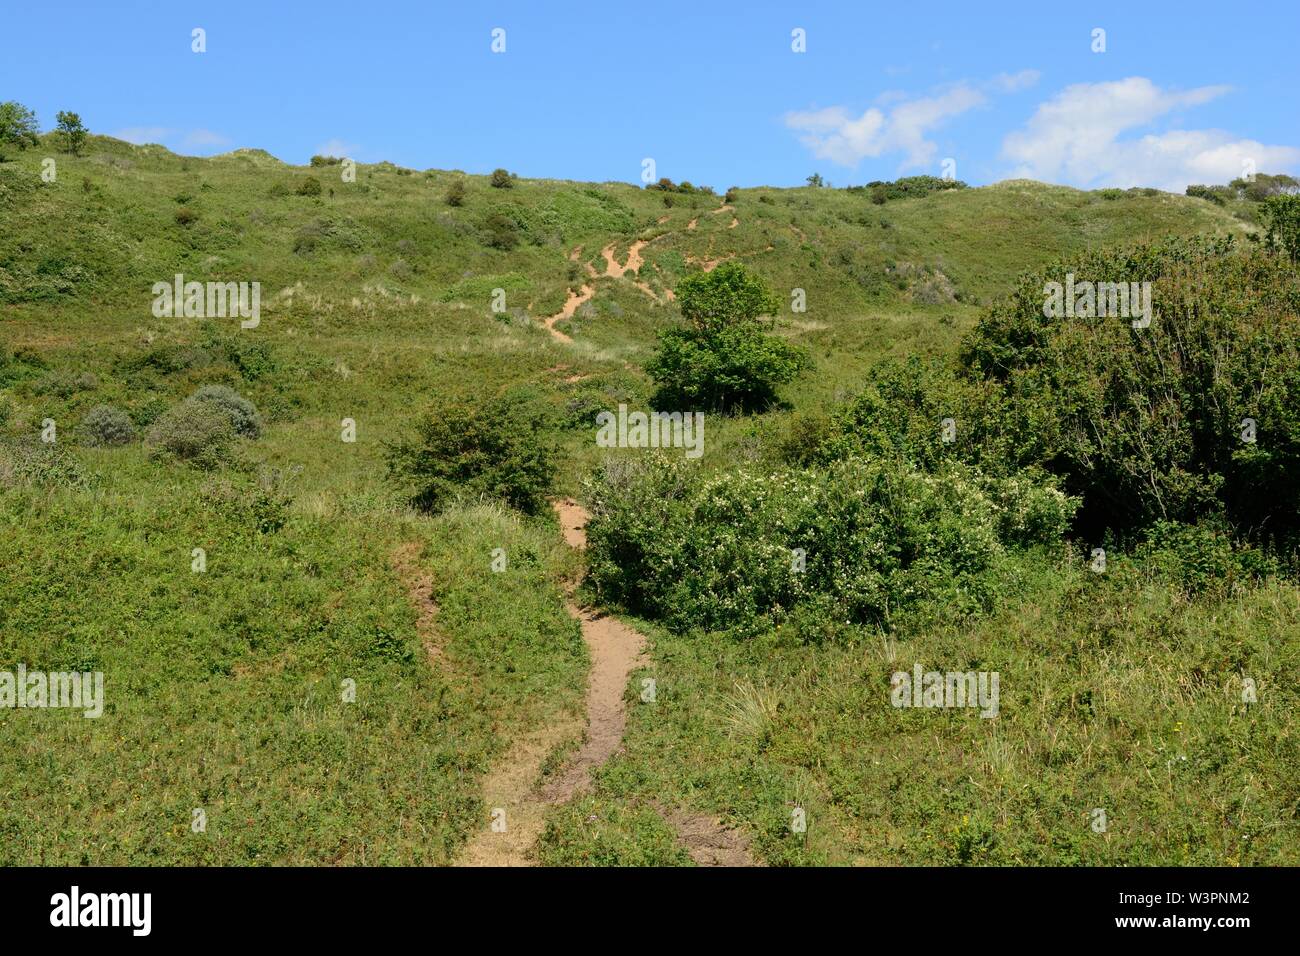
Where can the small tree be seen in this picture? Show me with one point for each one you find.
(17, 127)
(733, 193)
(1281, 215)
(502, 179)
(74, 133)
(724, 359)
(816, 181)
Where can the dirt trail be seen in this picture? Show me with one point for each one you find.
(616, 651)
(613, 269)
(419, 589)
(570, 306)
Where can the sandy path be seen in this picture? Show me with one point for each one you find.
(515, 785)
(570, 306)
(615, 650)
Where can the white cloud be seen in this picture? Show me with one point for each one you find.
(1015, 82)
(900, 127)
(337, 147)
(897, 123)
(1075, 138)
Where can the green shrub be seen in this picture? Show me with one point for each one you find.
(456, 193)
(499, 448)
(31, 462)
(1146, 424)
(308, 186)
(500, 232)
(724, 359)
(186, 216)
(192, 431)
(107, 425)
(1203, 558)
(239, 410)
(326, 160)
(501, 179)
(882, 541)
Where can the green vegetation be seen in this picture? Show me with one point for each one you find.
(331, 563)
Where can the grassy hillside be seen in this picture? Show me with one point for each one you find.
(223, 687)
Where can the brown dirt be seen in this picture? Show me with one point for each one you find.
(707, 841)
(419, 589)
(571, 306)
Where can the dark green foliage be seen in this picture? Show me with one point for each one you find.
(107, 425)
(881, 540)
(72, 131)
(909, 187)
(498, 447)
(501, 179)
(308, 186)
(18, 127)
(500, 232)
(723, 359)
(1147, 424)
(326, 160)
(456, 193)
(1281, 215)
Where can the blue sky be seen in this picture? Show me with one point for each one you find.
(714, 93)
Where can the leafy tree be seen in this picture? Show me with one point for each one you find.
(498, 447)
(1281, 215)
(816, 181)
(17, 127)
(723, 359)
(74, 133)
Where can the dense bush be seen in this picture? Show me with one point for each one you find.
(500, 232)
(241, 412)
(498, 447)
(192, 431)
(107, 425)
(308, 186)
(1146, 424)
(882, 541)
(724, 359)
(909, 187)
(501, 179)
(456, 193)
